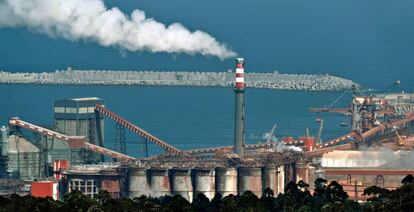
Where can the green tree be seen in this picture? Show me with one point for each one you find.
(248, 201)
(216, 202)
(336, 192)
(268, 192)
(229, 204)
(295, 196)
(409, 179)
(144, 203)
(268, 200)
(320, 194)
(400, 199)
(333, 207)
(177, 204)
(77, 201)
(201, 203)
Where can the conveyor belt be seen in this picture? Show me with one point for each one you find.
(72, 141)
(137, 130)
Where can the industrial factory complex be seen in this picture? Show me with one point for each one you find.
(72, 154)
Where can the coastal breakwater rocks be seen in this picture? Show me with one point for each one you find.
(269, 80)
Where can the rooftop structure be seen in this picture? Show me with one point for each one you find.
(76, 109)
(357, 159)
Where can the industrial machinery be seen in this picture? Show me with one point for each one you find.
(345, 142)
(76, 117)
(354, 138)
(366, 111)
(82, 142)
(271, 134)
(72, 141)
(319, 136)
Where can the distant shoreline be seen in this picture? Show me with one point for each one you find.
(268, 80)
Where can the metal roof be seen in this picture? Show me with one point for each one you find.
(86, 99)
(17, 144)
(358, 159)
(78, 102)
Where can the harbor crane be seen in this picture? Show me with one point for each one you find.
(319, 136)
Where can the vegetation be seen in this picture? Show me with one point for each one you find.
(297, 197)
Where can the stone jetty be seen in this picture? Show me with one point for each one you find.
(267, 80)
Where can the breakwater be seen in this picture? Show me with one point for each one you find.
(268, 80)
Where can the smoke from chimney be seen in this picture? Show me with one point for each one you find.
(91, 20)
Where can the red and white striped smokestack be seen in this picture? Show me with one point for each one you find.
(239, 74)
(239, 109)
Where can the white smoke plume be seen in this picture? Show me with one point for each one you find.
(91, 20)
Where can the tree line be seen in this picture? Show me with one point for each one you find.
(297, 197)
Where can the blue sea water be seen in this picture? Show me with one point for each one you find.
(184, 117)
(370, 42)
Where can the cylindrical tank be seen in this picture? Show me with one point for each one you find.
(312, 177)
(302, 172)
(270, 179)
(159, 182)
(182, 184)
(250, 179)
(290, 172)
(110, 183)
(138, 183)
(204, 182)
(281, 179)
(4, 141)
(226, 181)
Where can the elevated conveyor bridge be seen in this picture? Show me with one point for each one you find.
(101, 110)
(72, 141)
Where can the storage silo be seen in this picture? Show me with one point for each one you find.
(138, 183)
(3, 155)
(23, 159)
(226, 181)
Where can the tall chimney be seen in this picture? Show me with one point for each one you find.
(239, 109)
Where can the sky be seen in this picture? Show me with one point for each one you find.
(370, 42)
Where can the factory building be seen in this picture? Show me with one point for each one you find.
(45, 188)
(357, 170)
(76, 117)
(188, 182)
(90, 179)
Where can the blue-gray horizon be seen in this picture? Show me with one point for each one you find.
(93, 21)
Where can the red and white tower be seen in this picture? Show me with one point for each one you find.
(239, 74)
(239, 108)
